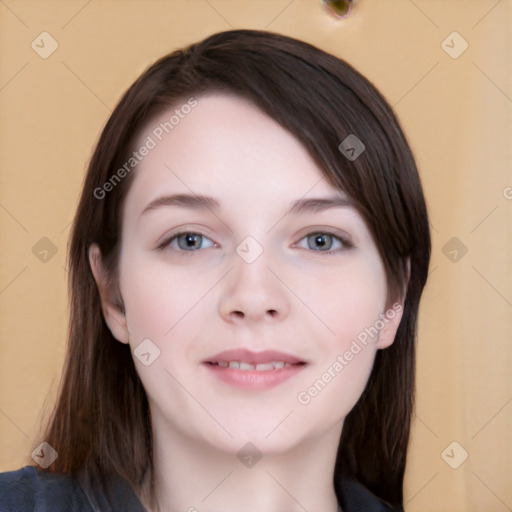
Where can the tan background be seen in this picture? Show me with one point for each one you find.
(456, 112)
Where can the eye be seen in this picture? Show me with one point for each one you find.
(318, 241)
(325, 241)
(186, 241)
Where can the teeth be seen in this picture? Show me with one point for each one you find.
(261, 367)
(264, 366)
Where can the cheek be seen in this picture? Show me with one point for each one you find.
(157, 297)
(170, 305)
(346, 298)
(163, 304)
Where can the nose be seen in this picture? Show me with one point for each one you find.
(252, 293)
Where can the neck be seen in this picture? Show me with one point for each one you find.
(193, 475)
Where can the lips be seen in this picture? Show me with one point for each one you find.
(253, 370)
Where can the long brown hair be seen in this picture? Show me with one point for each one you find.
(101, 420)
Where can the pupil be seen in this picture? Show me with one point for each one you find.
(321, 240)
(191, 240)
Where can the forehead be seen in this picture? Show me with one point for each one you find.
(224, 147)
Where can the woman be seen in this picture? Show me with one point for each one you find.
(246, 265)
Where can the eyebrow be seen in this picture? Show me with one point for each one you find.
(201, 202)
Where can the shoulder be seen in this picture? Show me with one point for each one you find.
(357, 498)
(29, 489)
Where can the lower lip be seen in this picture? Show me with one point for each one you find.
(253, 379)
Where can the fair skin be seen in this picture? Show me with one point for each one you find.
(195, 302)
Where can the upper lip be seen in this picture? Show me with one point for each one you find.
(247, 356)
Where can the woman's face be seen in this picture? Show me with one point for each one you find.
(271, 265)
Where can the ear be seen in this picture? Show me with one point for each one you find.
(389, 321)
(113, 312)
(392, 317)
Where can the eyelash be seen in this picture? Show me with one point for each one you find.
(347, 244)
